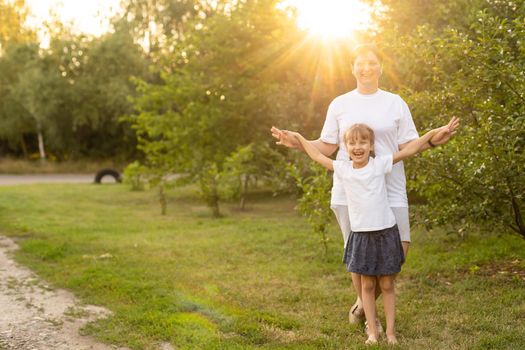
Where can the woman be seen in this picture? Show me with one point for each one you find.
(389, 117)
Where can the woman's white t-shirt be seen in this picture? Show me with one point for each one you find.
(388, 115)
(366, 193)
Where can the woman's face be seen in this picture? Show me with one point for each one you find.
(367, 69)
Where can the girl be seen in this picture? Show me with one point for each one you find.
(374, 249)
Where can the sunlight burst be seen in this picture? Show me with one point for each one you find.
(332, 18)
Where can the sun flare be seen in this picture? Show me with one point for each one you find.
(332, 18)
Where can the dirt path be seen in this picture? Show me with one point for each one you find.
(34, 316)
(6, 180)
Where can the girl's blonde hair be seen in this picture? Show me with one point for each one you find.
(360, 131)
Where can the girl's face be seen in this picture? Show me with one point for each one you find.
(359, 151)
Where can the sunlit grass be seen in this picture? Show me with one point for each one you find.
(255, 279)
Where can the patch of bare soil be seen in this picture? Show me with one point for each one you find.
(510, 269)
(34, 316)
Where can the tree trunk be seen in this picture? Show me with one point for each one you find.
(244, 191)
(517, 217)
(162, 200)
(24, 147)
(41, 148)
(214, 204)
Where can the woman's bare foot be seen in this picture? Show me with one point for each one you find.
(391, 339)
(356, 313)
(371, 340)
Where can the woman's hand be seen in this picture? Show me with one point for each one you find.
(285, 137)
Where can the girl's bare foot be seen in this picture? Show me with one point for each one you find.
(371, 340)
(391, 339)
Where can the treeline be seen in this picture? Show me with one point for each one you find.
(241, 70)
(194, 86)
(231, 75)
(65, 101)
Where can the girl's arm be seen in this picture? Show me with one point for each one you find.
(414, 147)
(313, 152)
(441, 137)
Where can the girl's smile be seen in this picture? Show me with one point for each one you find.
(359, 151)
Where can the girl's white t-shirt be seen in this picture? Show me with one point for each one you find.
(388, 115)
(366, 193)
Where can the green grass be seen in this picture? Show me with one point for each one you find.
(255, 279)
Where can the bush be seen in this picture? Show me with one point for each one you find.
(135, 176)
(478, 178)
(315, 184)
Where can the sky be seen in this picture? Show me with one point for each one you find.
(86, 14)
(327, 18)
(332, 18)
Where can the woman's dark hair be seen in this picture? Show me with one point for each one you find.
(366, 48)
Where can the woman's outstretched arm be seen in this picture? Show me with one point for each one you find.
(313, 152)
(286, 139)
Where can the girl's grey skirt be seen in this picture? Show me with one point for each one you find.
(374, 253)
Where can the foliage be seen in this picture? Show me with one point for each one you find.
(155, 22)
(221, 93)
(11, 65)
(101, 72)
(37, 92)
(476, 74)
(135, 176)
(209, 184)
(71, 94)
(13, 14)
(248, 166)
(240, 174)
(235, 68)
(314, 202)
(212, 77)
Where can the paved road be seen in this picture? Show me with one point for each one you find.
(6, 180)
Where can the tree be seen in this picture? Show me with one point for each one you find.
(477, 74)
(245, 168)
(100, 73)
(71, 94)
(15, 120)
(223, 91)
(315, 184)
(13, 15)
(36, 91)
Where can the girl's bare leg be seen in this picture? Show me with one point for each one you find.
(356, 281)
(368, 290)
(343, 219)
(389, 300)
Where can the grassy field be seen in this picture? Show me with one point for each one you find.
(255, 279)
